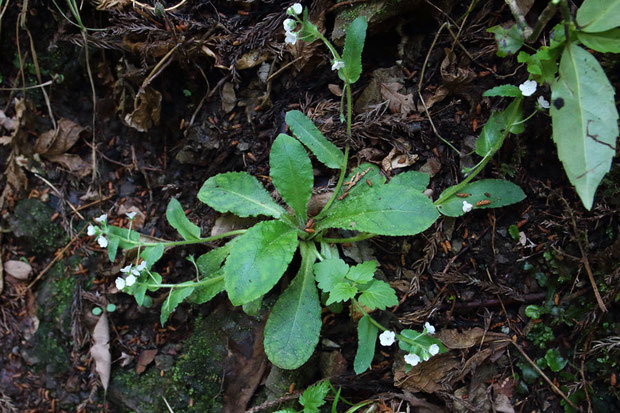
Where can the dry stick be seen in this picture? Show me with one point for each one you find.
(151, 8)
(420, 89)
(584, 259)
(544, 376)
(458, 34)
(35, 60)
(518, 15)
(60, 195)
(542, 21)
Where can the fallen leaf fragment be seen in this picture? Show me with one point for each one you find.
(147, 110)
(145, 358)
(60, 140)
(17, 269)
(397, 102)
(100, 351)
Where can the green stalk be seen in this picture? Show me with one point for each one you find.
(359, 237)
(185, 242)
(207, 281)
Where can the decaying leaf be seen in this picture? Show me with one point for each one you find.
(10, 124)
(145, 358)
(60, 140)
(398, 159)
(111, 4)
(147, 110)
(397, 102)
(229, 98)
(427, 376)
(453, 76)
(17, 269)
(139, 218)
(100, 351)
(251, 59)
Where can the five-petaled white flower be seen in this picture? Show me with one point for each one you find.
(131, 280)
(120, 283)
(387, 338)
(290, 38)
(429, 328)
(90, 231)
(131, 215)
(528, 87)
(412, 359)
(433, 349)
(102, 241)
(102, 218)
(338, 64)
(289, 25)
(295, 9)
(543, 102)
(467, 206)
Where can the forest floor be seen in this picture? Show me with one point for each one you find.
(186, 93)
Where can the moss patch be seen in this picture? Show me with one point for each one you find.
(31, 221)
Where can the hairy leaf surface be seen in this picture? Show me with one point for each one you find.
(258, 260)
(585, 121)
(366, 342)
(325, 151)
(497, 192)
(177, 219)
(239, 193)
(291, 173)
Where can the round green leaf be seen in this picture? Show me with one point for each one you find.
(496, 192)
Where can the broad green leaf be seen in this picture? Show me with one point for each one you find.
(585, 121)
(509, 40)
(113, 242)
(412, 179)
(341, 292)
(504, 90)
(291, 173)
(292, 330)
(497, 192)
(124, 236)
(352, 53)
(210, 262)
(139, 293)
(177, 219)
(314, 397)
(204, 291)
(604, 42)
(330, 272)
(554, 360)
(598, 15)
(383, 210)
(362, 273)
(152, 254)
(325, 151)
(497, 127)
(369, 173)
(176, 297)
(366, 341)
(258, 259)
(378, 296)
(239, 193)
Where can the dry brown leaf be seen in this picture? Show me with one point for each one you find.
(335, 89)
(229, 98)
(397, 102)
(10, 124)
(427, 376)
(431, 99)
(17, 269)
(111, 4)
(453, 339)
(397, 159)
(454, 77)
(147, 110)
(139, 218)
(251, 59)
(431, 167)
(60, 140)
(100, 351)
(145, 358)
(72, 162)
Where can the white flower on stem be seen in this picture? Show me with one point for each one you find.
(289, 25)
(290, 38)
(429, 328)
(141, 267)
(126, 269)
(131, 280)
(102, 241)
(467, 206)
(528, 87)
(387, 338)
(131, 215)
(433, 349)
(542, 102)
(412, 359)
(90, 231)
(337, 64)
(295, 9)
(120, 283)
(102, 218)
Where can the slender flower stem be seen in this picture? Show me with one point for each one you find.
(358, 237)
(185, 242)
(206, 281)
(343, 172)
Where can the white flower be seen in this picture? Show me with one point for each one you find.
(387, 338)
(433, 349)
(429, 328)
(141, 266)
(90, 231)
(135, 271)
(338, 64)
(126, 269)
(120, 283)
(294, 10)
(102, 241)
(412, 359)
(131, 280)
(528, 87)
(131, 215)
(290, 38)
(543, 102)
(289, 25)
(102, 218)
(467, 206)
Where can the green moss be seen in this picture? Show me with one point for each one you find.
(31, 221)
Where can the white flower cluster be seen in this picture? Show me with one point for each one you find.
(528, 88)
(388, 337)
(133, 273)
(290, 25)
(93, 230)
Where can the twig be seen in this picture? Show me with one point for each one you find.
(151, 8)
(542, 21)
(518, 15)
(272, 403)
(544, 376)
(60, 195)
